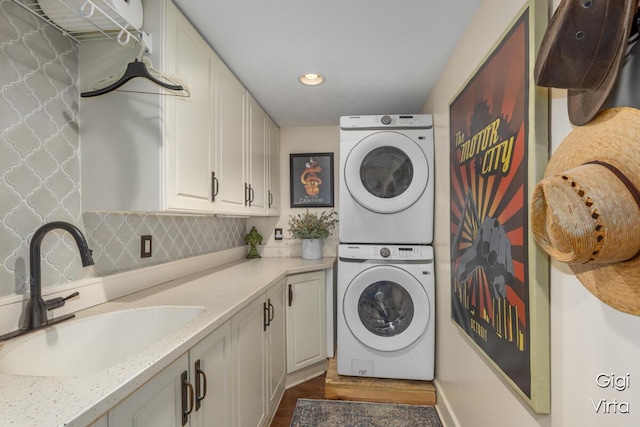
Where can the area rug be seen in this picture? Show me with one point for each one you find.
(342, 413)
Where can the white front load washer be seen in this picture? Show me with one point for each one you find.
(386, 179)
(386, 311)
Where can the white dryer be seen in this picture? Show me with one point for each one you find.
(386, 311)
(386, 179)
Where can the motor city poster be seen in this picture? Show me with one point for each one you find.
(488, 167)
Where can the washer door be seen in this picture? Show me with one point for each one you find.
(386, 172)
(386, 308)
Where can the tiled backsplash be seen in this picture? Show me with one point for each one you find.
(39, 143)
(114, 237)
(40, 171)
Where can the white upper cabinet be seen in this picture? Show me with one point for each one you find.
(241, 149)
(208, 152)
(230, 170)
(273, 169)
(257, 158)
(190, 128)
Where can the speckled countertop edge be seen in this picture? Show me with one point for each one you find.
(78, 401)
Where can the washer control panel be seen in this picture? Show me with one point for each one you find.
(386, 252)
(423, 121)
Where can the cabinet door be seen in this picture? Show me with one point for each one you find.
(276, 346)
(100, 422)
(210, 362)
(189, 149)
(306, 320)
(257, 157)
(273, 154)
(158, 403)
(230, 171)
(249, 359)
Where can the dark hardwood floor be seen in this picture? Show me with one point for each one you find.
(311, 389)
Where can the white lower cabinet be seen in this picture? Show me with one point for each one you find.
(306, 320)
(158, 403)
(249, 366)
(258, 355)
(276, 344)
(236, 375)
(100, 422)
(194, 391)
(210, 361)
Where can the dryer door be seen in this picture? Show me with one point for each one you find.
(386, 308)
(386, 172)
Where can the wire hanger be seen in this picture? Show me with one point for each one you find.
(140, 67)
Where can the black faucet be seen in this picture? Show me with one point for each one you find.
(35, 316)
(36, 310)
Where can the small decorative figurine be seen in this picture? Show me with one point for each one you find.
(253, 238)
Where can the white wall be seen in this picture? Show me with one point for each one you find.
(312, 139)
(587, 336)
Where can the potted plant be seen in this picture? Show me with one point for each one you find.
(312, 229)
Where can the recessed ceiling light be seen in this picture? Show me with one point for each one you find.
(311, 79)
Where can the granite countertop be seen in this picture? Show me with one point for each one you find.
(78, 401)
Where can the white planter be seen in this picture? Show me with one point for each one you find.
(311, 248)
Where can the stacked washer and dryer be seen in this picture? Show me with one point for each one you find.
(386, 288)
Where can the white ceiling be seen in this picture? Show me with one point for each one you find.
(378, 56)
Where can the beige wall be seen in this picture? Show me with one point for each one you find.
(587, 336)
(314, 139)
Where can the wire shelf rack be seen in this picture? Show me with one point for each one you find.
(96, 8)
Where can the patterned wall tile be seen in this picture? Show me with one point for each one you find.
(114, 237)
(39, 146)
(40, 171)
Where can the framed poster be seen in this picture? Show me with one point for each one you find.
(498, 151)
(311, 180)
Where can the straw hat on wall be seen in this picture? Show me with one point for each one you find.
(586, 210)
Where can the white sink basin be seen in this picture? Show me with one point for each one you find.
(84, 346)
